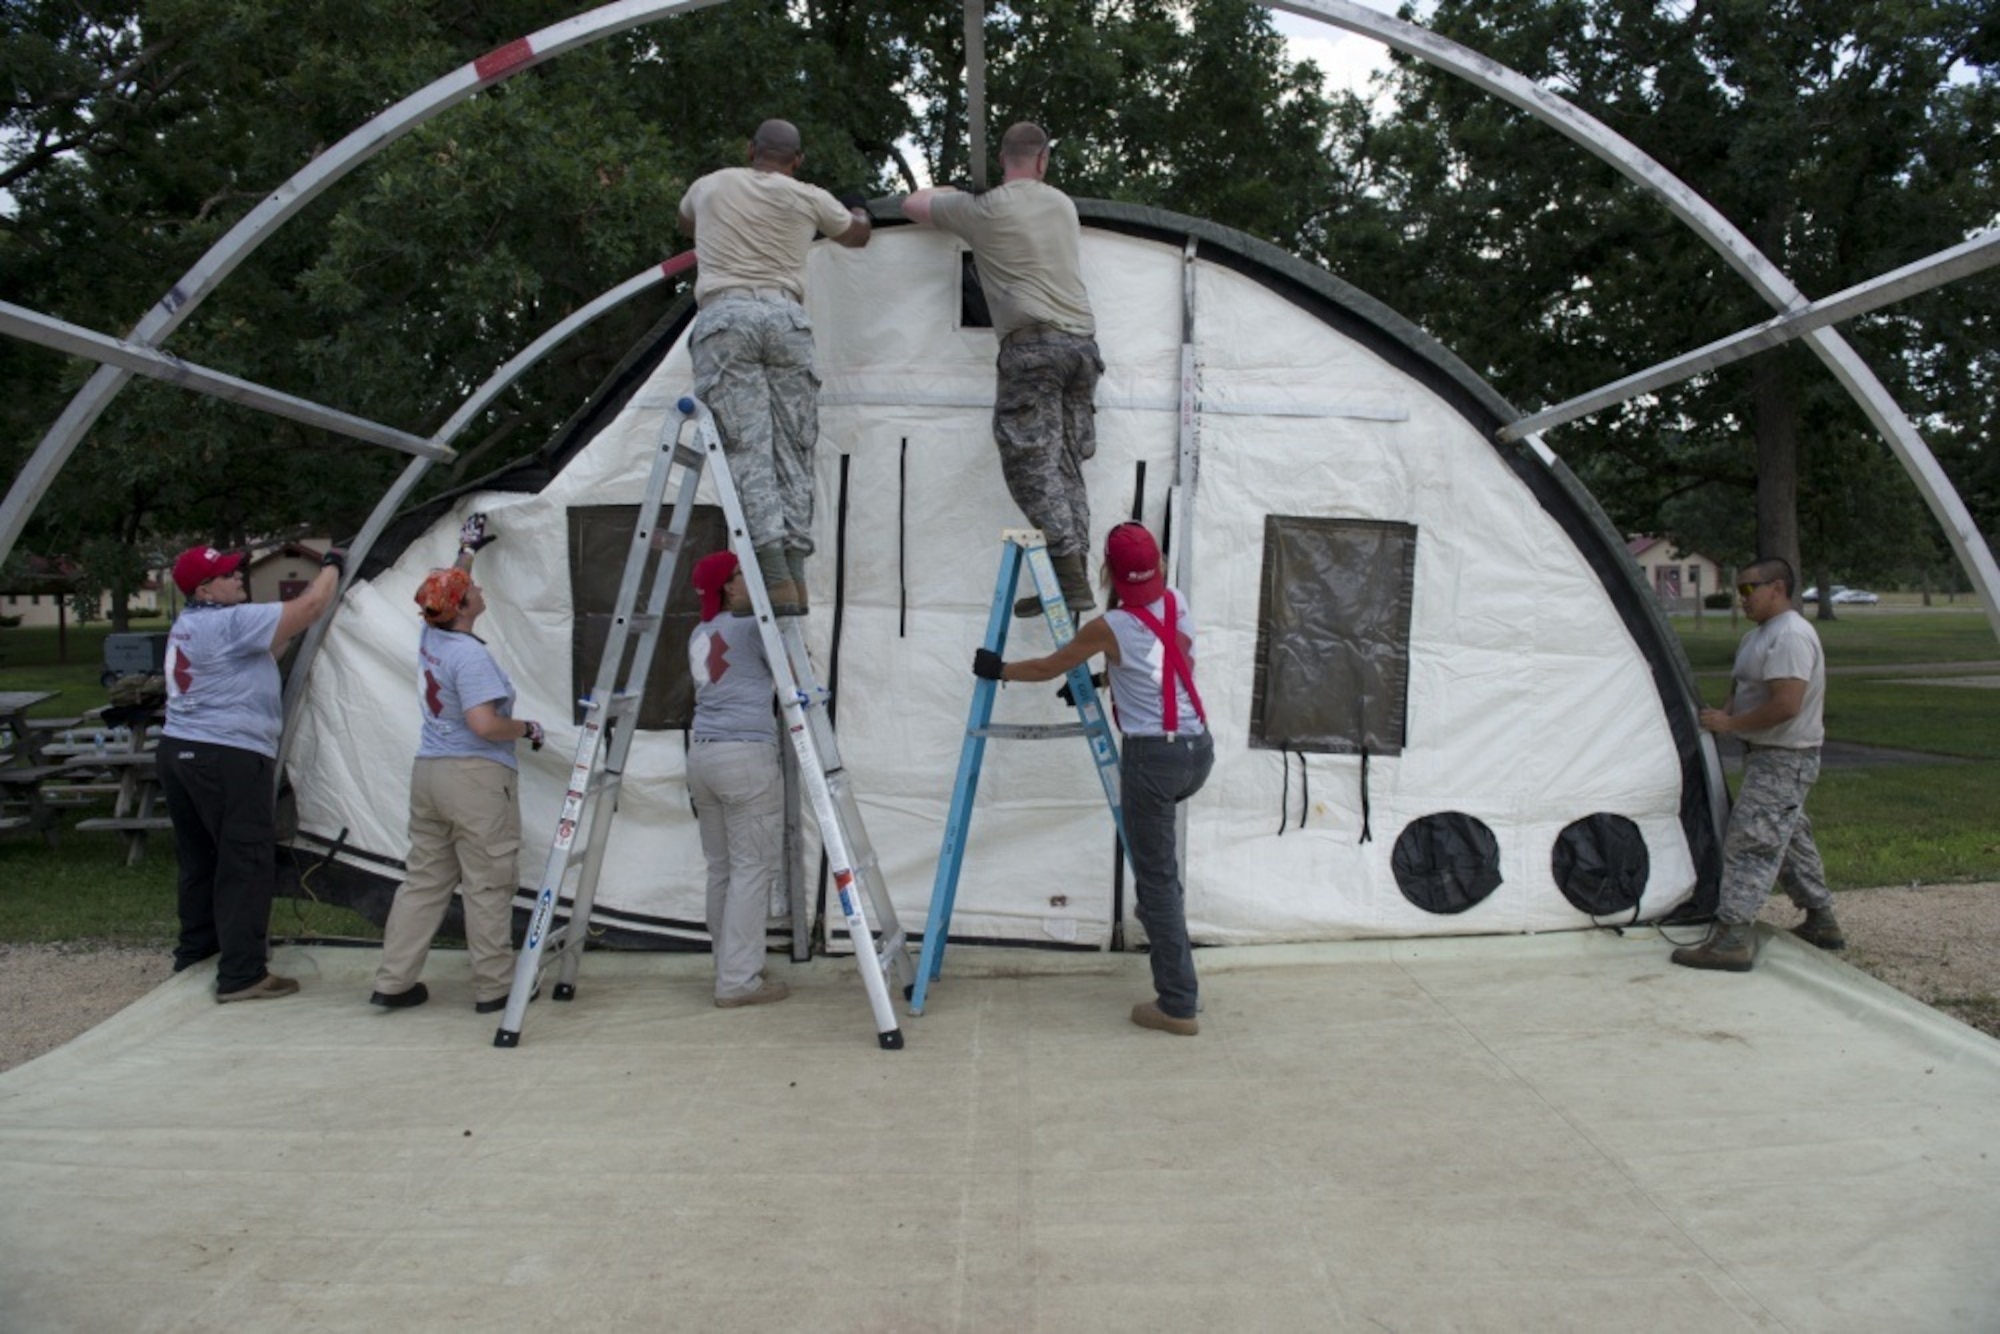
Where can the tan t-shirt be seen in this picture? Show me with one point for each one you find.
(753, 228)
(1024, 236)
(1782, 648)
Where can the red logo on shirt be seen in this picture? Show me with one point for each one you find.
(718, 659)
(183, 674)
(432, 699)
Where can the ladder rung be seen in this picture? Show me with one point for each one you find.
(1028, 731)
(644, 620)
(688, 456)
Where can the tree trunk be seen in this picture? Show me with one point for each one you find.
(1775, 411)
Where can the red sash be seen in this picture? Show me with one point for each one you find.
(1173, 666)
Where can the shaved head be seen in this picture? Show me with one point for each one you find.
(1023, 141)
(776, 141)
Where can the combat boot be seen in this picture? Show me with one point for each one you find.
(1730, 946)
(795, 560)
(1821, 928)
(1073, 577)
(788, 597)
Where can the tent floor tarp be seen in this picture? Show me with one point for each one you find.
(1557, 1132)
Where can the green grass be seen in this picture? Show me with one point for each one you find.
(1861, 637)
(1908, 824)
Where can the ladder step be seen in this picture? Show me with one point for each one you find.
(644, 620)
(1028, 731)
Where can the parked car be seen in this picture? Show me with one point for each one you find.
(1842, 594)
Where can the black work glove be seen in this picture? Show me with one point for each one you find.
(335, 557)
(986, 664)
(472, 534)
(853, 199)
(535, 736)
(1068, 696)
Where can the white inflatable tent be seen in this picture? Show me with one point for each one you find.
(1443, 701)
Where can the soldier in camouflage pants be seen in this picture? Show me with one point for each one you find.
(1045, 426)
(1770, 836)
(753, 366)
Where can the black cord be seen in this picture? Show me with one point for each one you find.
(902, 541)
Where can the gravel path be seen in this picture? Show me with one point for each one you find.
(1938, 943)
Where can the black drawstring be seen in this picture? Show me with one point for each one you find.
(902, 544)
(1366, 834)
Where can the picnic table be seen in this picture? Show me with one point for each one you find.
(22, 773)
(137, 808)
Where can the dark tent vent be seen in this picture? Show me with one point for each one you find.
(1447, 863)
(1601, 865)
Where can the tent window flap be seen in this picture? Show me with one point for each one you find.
(1333, 635)
(599, 538)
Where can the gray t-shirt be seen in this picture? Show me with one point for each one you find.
(1136, 678)
(222, 682)
(456, 672)
(732, 681)
(753, 228)
(1782, 648)
(1025, 238)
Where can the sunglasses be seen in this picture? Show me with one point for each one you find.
(1744, 590)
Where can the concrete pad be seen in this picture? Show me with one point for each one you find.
(1529, 1133)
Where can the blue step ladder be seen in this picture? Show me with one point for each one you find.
(1018, 547)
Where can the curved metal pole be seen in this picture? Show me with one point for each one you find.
(1707, 222)
(392, 499)
(281, 204)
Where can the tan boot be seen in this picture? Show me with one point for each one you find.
(1821, 928)
(788, 597)
(1073, 576)
(1730, 947)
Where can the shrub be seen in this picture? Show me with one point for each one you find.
(1717, 601)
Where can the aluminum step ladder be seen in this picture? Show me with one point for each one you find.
(1018, 547)
(576, 852)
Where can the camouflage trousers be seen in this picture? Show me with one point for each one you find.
(1770, 837)
(1045, 426)
(753, 366)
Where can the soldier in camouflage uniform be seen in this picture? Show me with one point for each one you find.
(752, 345)
(1776, 704)
(1025, 239)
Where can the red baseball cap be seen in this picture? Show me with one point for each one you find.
(197, 565)
(1134, 558)
(710, 574)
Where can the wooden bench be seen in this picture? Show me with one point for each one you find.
(21, 785)
(134, 811)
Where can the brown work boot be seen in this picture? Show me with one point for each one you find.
(767, 993)
(1148, 1014)
(1073, 577)
(1729, 947)
(788, 598)
(268, 987)
(1822, 929)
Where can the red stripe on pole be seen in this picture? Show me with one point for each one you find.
(678, 265)
(502, 61)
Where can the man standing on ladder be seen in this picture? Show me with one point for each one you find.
(1147, 640)
(752, 344)
(1025, 239)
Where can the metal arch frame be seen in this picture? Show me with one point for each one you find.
(288, 199)
(1604, 143)
(1484, 73)
(480, 399)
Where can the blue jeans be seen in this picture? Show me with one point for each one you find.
(1156, 774)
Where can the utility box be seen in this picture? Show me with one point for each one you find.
(134, 655)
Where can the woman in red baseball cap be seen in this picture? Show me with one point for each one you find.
(734, 780)
(1147, 640)
(218, 758)
(465, 816)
